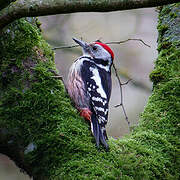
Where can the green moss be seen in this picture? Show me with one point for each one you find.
(34, 103)
(167, 64)
(162, 28)
(173, 15)
(157, 76)
(169, 19)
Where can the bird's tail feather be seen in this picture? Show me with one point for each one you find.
(99, 133)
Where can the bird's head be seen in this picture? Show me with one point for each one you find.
(97, 51)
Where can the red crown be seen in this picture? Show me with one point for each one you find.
(107, 48)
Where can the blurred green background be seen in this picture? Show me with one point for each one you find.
(132, 59)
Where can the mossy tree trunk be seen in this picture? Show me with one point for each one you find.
(42, 132)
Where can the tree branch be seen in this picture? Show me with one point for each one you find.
(113, 42)
(31, 8)
(121, 95)
(134, 39)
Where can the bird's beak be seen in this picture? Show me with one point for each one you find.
(83, 44)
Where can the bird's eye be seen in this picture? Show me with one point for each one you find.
(94, 48)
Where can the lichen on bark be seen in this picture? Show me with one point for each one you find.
(51, 141)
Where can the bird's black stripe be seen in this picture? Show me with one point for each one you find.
(96, 60)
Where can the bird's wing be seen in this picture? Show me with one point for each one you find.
(98, 90)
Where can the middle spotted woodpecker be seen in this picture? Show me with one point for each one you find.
(89, 86)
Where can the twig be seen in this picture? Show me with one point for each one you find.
(57, 77)
(114, 42)
(137, 83)
(65, 47)
(126, 82)
(119, 42)
(121, 94)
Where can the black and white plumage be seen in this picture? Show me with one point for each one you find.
(89, 86)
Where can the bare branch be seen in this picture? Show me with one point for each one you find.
(121, 95)
(114, 42)
(119, 42)
(32, 8)
(126, 82)
(65, 47)
(57, 77)
(135, 82)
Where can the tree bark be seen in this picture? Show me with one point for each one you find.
(32, 8)
(42, 132)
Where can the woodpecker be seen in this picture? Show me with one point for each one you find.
(89, 86)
